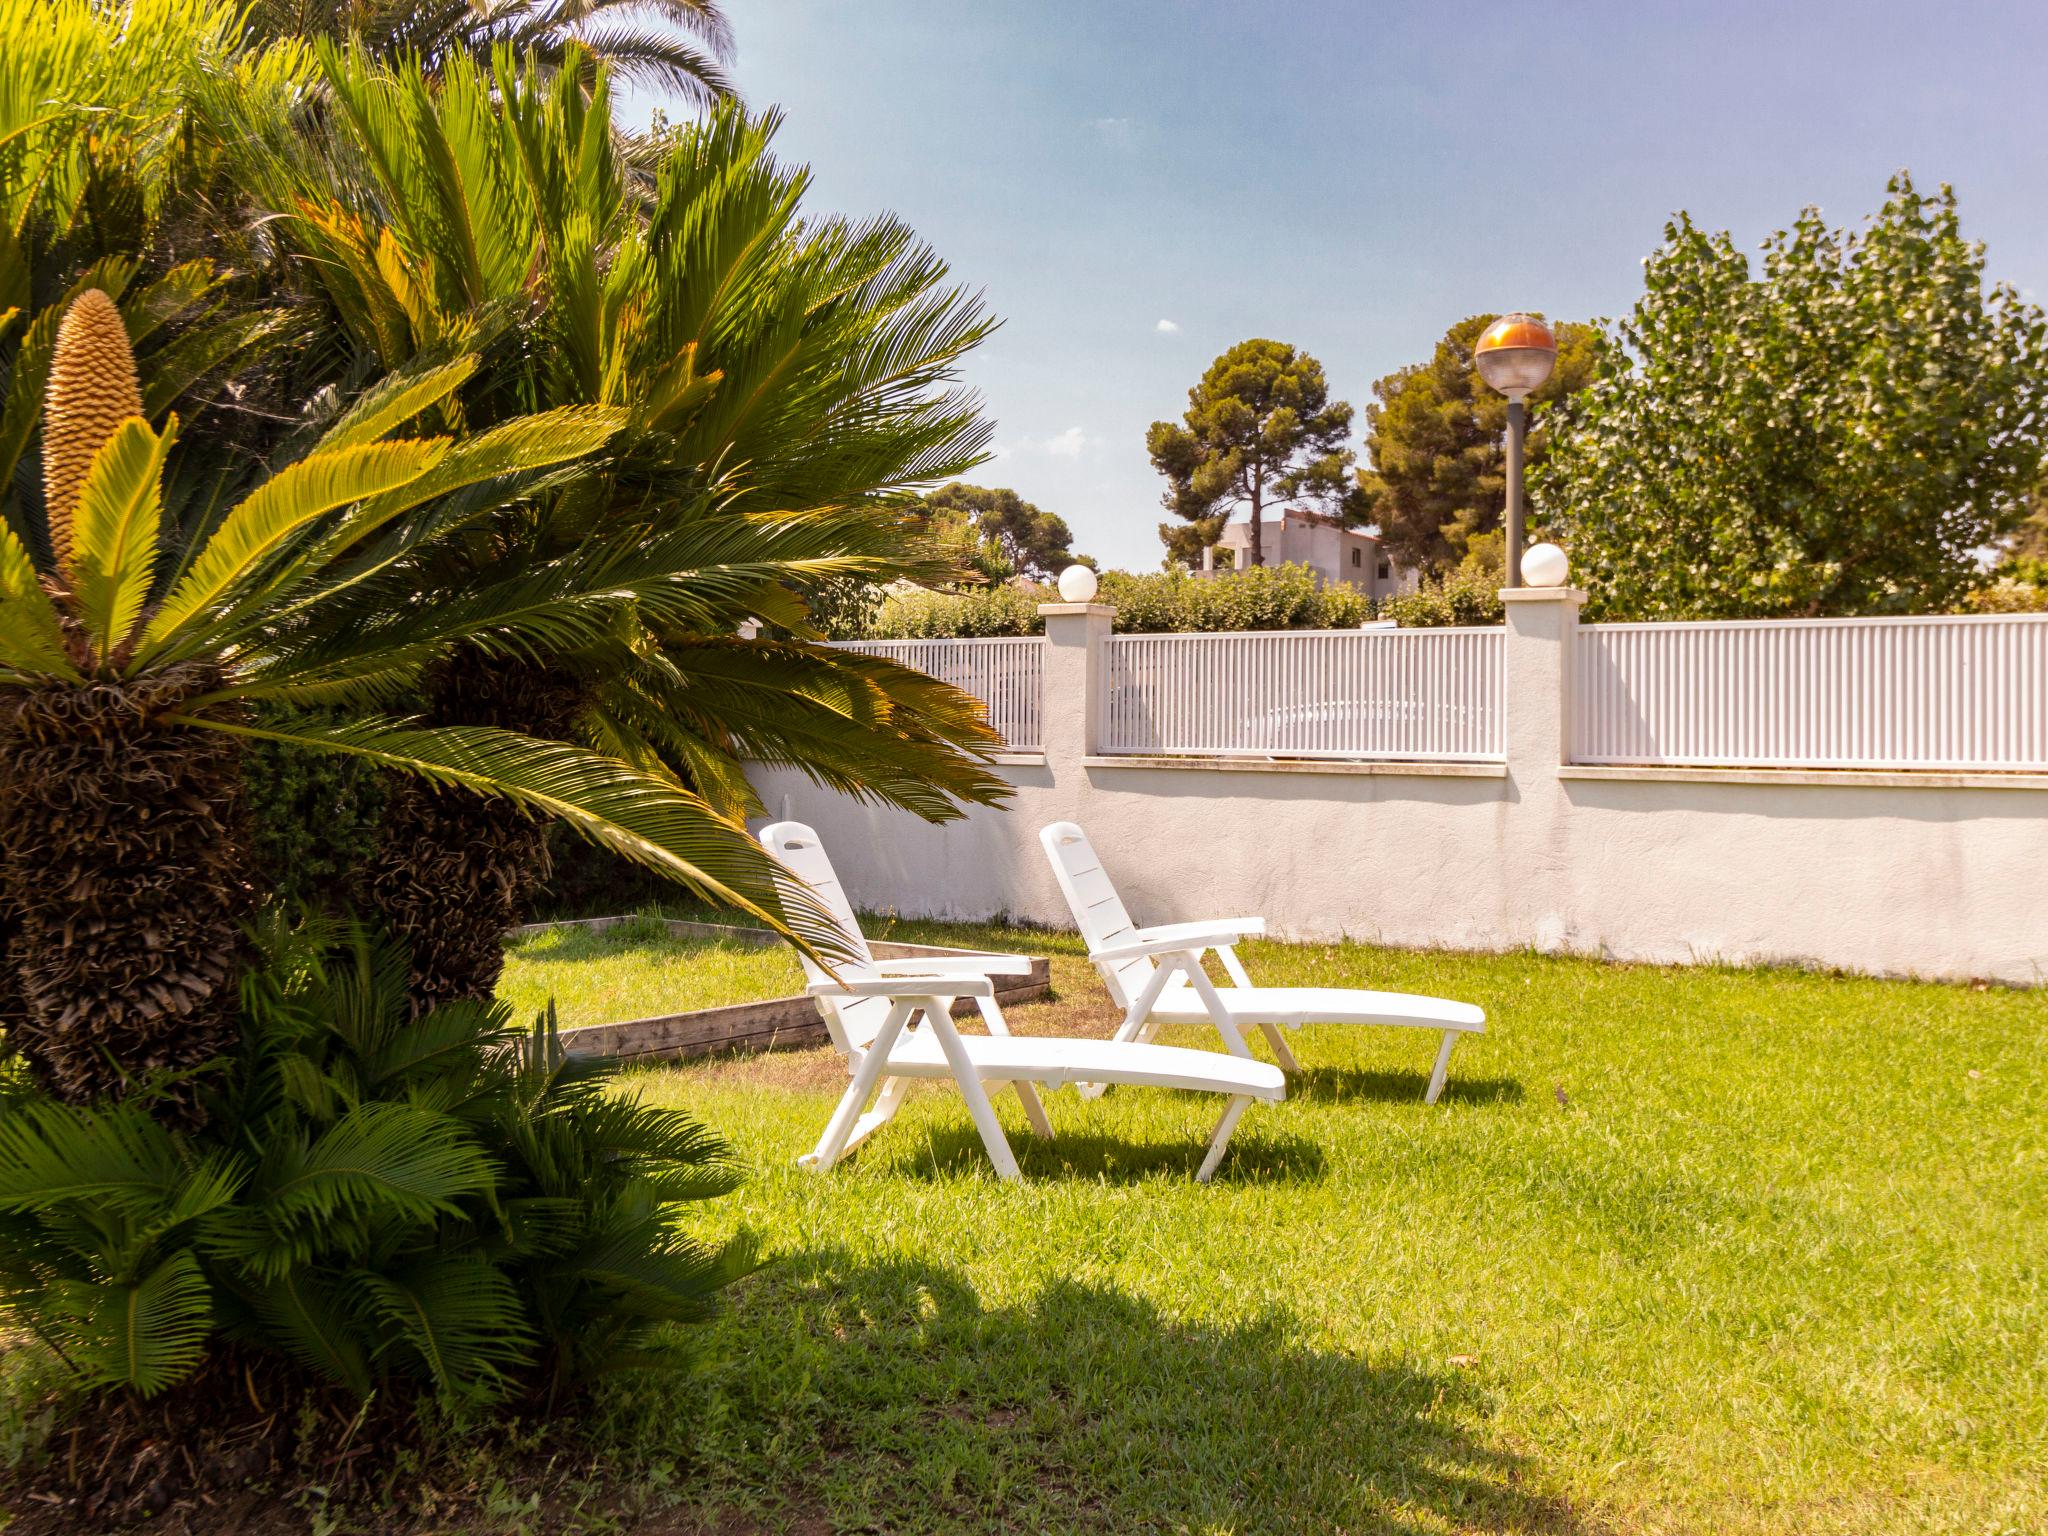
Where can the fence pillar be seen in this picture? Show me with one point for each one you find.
(1072, 710)
(1537, 891)
(1543, 623)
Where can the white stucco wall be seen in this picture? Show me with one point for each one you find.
(1929, 875)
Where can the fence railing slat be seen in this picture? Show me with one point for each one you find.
(1409, 695)
(1958, 693)
(1006, 673)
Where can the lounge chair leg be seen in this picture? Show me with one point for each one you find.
(891, 1100)
(1034, 1111)
(1280, 1052)
(1443, 1066)
(938, 1015)
(832, 1145)
(1137, 1024)
(1221, 1138)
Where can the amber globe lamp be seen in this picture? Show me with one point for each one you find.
(1515, 354)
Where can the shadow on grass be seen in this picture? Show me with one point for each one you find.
(906, 1404)
(1356, 1085)
(1105, 1157)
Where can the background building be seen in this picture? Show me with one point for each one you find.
(1296, 536)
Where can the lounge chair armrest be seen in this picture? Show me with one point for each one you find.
(956, 965)
(905, 986)
(1178, 936)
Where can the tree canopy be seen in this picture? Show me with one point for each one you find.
(1259, 426)
(998, 534)
(1437, 437)
(1843, 433)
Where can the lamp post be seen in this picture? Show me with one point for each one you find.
(1515, 355)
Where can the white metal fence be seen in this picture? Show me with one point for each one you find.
(1406, 694)
(1006, 674)
(1934, 693)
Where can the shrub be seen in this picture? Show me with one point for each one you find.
(1264, 597)
(1162, 602)
(1463, 598)
(2007, 596)
(445, 1203)
(971, 615)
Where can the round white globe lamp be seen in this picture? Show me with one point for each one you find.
(1545, 565)
(1077, 584)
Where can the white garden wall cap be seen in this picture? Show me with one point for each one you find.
(1452, 768)
(1053, 610)
(1543, 594)
(1840, 778)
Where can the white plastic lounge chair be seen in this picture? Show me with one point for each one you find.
(892, 1021)
(1156, 975)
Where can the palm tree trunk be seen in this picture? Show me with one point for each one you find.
(13, 1001)
(453, 870)
(124, 862)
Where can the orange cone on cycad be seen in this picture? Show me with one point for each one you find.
(92, 390)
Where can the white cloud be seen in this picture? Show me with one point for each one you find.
(1068, 444)
(1116, 132)
(1168, 327)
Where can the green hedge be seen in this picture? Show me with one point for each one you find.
(1460, 600)
(1163, 602)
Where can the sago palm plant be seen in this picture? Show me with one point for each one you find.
(139, 659)
(102, 187)
(770, 370)
(376, 1198)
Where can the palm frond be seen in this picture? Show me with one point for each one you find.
(114, 554)
(458, 1316)
(144, 1334)
(31, 639)
(310, 1316)
(389, 1155)
(267, 521)
(391, 402)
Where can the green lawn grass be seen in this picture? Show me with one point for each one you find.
(1681, 1250)
(637, 970)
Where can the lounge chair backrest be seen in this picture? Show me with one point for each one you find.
(1097, 908)
(852, 1024)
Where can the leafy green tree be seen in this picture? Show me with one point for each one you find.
(2025, 556)
(682, 46)
(999, 534)
(1842, 433)
(1437, 437)
(1260, 426)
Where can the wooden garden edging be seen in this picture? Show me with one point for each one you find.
(778, 1023)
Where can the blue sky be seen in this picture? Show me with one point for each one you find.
(1138, 184)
